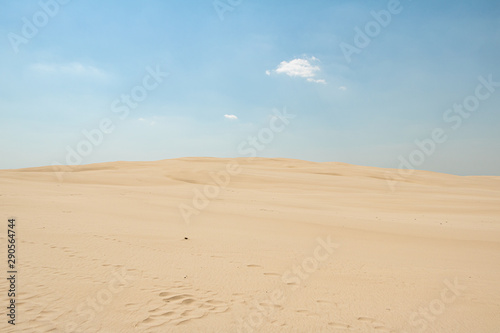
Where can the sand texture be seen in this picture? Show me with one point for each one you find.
(273, 245)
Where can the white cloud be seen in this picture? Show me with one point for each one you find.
(343, 88)
(73, 68)
(301, 68)
(268, 72)
(230, 116)
(151, 121)
(316, 80)
(297, 67)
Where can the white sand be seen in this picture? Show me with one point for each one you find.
(103, 250)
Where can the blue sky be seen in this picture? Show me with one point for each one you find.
(229, 66)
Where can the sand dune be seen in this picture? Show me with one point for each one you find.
(262, 245)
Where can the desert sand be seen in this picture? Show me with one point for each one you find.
(251, 245)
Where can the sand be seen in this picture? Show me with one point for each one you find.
(279, 245)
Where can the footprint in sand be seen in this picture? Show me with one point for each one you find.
(178, 306)
(340, 326)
